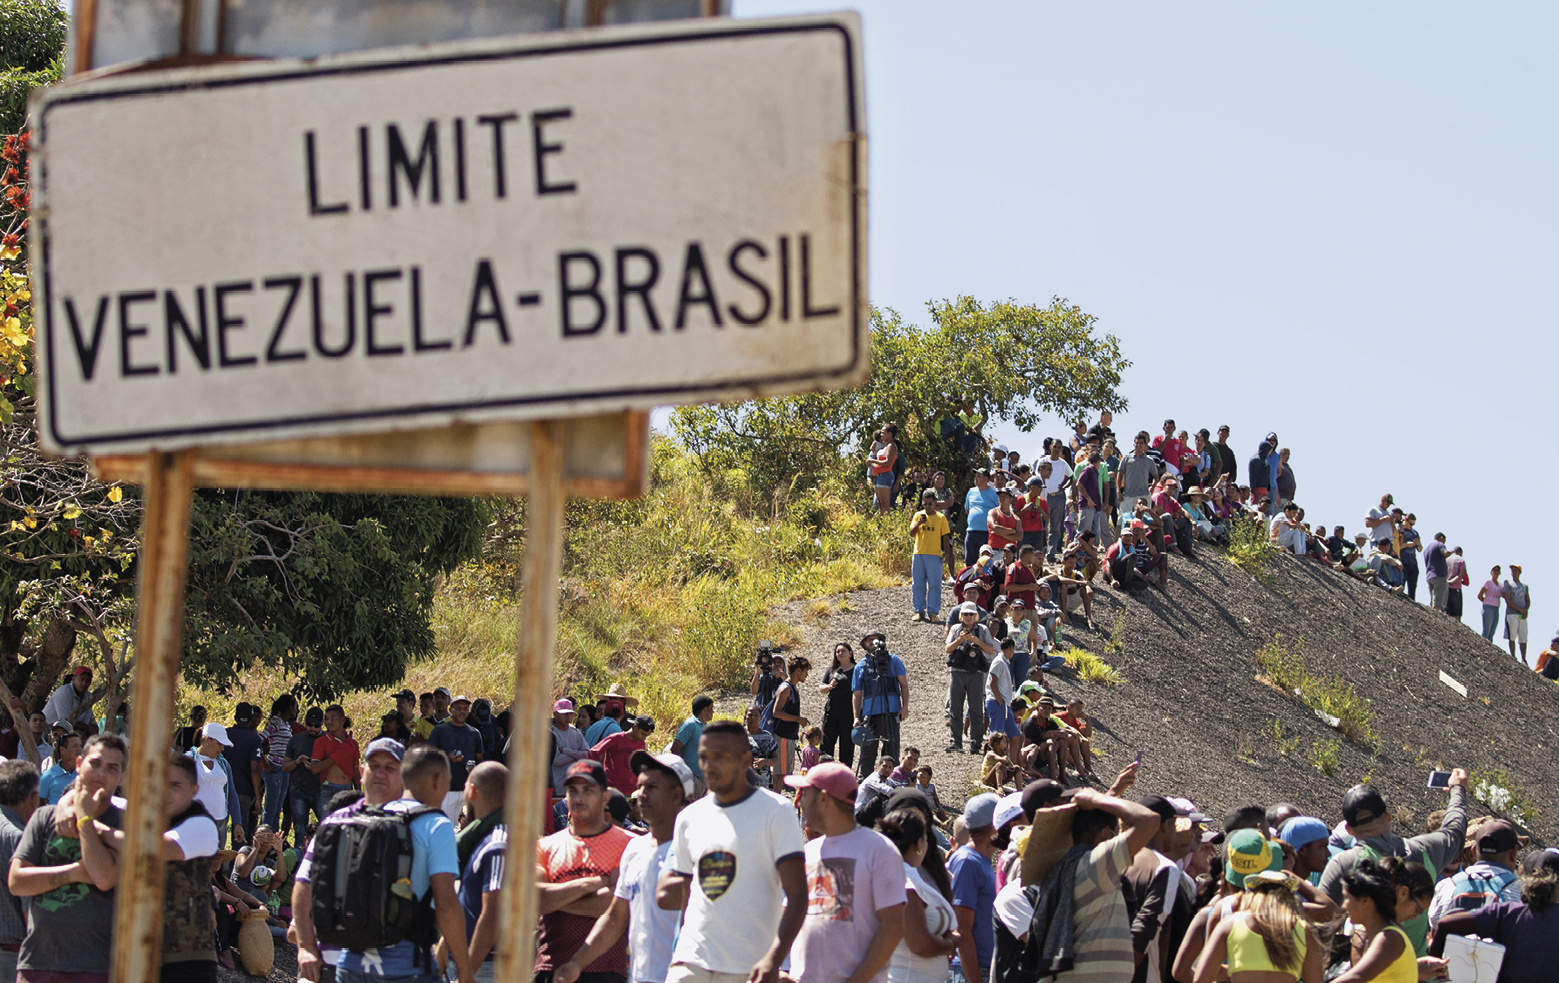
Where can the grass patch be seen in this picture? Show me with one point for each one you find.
(1115, 644)
(1091, 668)
(1325, 756)
(1284, 666)
(1250, 548)
(1285, 746)
(1498, 789)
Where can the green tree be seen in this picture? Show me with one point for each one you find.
(1009, 361)
(32, 49)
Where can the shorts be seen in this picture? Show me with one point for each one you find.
(999, 719)
(1516, 628)
(684, 973)
(884, 480)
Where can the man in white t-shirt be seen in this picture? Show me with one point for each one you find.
(736, 866)
(855, 886)
(665, 784)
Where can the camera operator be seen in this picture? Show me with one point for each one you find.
(768, 671)
(879, 691)
(969, 650)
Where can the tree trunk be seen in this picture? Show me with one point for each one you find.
(59, 641)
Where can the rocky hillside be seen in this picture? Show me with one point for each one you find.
(1212, 726)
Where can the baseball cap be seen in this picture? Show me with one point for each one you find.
(1186, 809)
(968, 607)
(404, 694)
(314, 717)
(81, 671)
(1027, 688)
(1039, 794)
(217, 733)
(665, 762)
(1000, 599)
(1249, 853)
(462, 698)
(1009, 807)
(1036, 480)
(388, 745)
(985, 548)
(980, 811)
(1160, 805)
(586, 768)
(831, 777)
(563, 706)
(1497, 837)
(1020, 605)
(1362, 805)
(1541, 860)
(1301, 831)
(441, 689)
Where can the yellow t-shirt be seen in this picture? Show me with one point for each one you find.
(928, 538)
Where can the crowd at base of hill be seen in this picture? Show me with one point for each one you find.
(1085, 515)
(662, 871)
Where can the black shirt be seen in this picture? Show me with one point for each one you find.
(1231, 466)
(839, 705)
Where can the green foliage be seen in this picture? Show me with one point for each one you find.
(1332, 697)
(336, 588)
(1250, 548)
(1115, 643)
(32, 48)
(1010, 361)
(1284, 745)
(1325, 756)
(1090, 668)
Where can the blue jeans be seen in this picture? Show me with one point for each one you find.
(973, 540)
(354, 976)
(275, 792)
(927, 574)
(1020, 668)
(301, 803)
(1490, 621)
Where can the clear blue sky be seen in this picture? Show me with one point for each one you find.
(1335, 221)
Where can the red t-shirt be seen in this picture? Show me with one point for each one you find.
(1021, 582)
(1003, 528)
(565, 857)
(1033, 520)
(613, 751)
(342, 751)
(1171, 448)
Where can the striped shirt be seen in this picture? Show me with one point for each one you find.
(1101, 928)
(277, 734)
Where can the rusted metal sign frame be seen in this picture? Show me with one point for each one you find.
(410, 462)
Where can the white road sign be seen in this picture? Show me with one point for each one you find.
(529, 227)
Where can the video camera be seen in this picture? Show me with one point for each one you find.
(764, 660)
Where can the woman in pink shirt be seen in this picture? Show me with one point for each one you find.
(1490, 594)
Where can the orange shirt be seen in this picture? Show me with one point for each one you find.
(564, 857)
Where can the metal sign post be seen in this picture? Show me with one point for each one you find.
(467, 267)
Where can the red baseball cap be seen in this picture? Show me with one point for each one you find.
(830, 776)
(80, 670)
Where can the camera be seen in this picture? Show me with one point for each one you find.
(878, 653)
(765, 657)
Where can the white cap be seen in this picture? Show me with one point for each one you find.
(217, 733)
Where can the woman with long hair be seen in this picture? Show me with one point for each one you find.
(788, 720)
(1266, 940)
(880, 459)
(838, 713)
(930, 935)
(1415, 892)
(1369, 896)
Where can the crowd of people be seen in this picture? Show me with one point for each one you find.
(1089, 513)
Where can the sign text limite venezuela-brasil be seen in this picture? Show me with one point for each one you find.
(531, 227)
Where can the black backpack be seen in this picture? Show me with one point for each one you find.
(361, 881)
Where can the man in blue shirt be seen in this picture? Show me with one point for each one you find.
(685, 743)
(974, 889)
(462, 744)
(879, 691)
(980, 500)
(435, 862)
(59, 776)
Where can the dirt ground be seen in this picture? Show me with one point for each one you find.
(1193, 705)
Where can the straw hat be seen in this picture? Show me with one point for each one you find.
(619, 692)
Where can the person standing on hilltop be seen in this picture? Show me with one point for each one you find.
(1518, 602)
(931, 534)
(1438, 571)
(980, 500)
(1260, 476)
(1456, 579)
(1490, 594)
